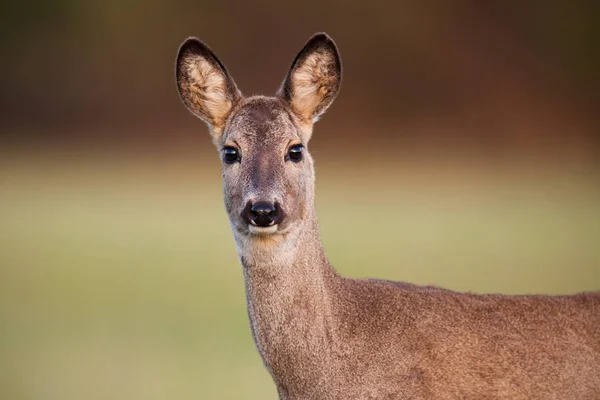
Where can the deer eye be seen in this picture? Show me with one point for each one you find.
(230, 155)
(295, 153)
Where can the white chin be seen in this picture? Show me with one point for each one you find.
(259, 230)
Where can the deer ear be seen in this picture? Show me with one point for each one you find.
(204, 84)
(314, 79)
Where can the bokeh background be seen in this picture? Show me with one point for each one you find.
(463, 151)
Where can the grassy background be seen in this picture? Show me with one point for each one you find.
(460, 152)
(119, 279)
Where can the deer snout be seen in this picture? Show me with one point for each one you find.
(263, 214)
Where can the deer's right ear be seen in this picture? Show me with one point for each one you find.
(204, 84)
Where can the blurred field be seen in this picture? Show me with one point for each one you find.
(470, 160)
(119, 279)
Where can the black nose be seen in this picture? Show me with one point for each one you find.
(262, 214)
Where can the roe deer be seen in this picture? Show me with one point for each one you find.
(323, 336)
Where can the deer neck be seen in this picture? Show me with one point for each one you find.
(288, 283)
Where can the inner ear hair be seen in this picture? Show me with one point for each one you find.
(314, 78)
(205, 86)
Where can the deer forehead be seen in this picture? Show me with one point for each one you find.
(264, 121)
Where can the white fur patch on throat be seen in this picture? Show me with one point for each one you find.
(266, 250)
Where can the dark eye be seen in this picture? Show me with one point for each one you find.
(295, 153)
(230, 155)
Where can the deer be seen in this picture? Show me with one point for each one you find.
(325, 336)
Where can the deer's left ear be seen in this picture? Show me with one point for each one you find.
(314, 79)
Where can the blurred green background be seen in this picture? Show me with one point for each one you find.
(469, 130)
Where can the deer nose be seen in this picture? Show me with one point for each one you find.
(262, 214)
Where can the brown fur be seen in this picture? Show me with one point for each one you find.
(323, 336)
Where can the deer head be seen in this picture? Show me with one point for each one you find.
(268, 173)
